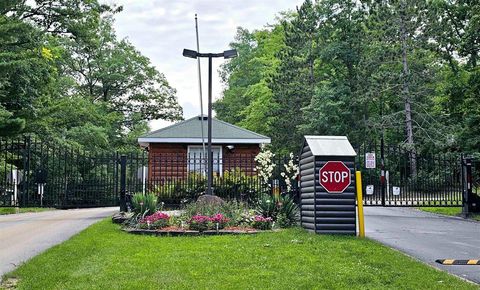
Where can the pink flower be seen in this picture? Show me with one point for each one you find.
(218, 218)
(155, 217)
(259, 218)
(200, 219)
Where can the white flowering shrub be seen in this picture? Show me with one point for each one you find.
(290, 172)
(265, 165)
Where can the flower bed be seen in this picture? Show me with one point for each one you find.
(161, 224)
(214, 216)
(184, 232)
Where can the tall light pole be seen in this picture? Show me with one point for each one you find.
(194, 54)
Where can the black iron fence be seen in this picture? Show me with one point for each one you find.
(472, 190)
(410, 179)
(35, 173)
(176, 178)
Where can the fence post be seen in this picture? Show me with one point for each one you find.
(467, 185)
(24, 200)
(382, 172)
(123, 182)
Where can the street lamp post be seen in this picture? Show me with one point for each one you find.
(194, 54)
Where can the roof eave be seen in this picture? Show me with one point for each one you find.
(146, 140)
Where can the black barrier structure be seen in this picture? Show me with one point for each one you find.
(389, 181)
(471, 198)
(36, 173)
(327, 185)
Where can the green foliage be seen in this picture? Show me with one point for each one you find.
(266, 206)
(244, 101)
(186, 190)
(233, 184)
(288, 212)
(281, 208)
(343, 68)
(65, 75)
(144, 204)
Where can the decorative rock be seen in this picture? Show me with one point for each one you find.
(208, 199)
(121, 217)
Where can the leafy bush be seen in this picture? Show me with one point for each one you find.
(281, 208)
(199, 223)
(262, 223)
(232, 184)
(287, 212)
(266, 206)
(175, 191)
(144, 203)
(236, 184)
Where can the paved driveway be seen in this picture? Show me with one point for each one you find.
(23, 236)
(427, 236)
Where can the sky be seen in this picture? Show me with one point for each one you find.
(161, 29)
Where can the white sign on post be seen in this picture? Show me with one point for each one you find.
(369, 190)
(370, 160)
(396, 190)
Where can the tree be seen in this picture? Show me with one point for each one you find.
(293, 83)
(453, 28)
(65, 75)
(338, 105)
(247, 77)
(25, 72)
(114, 72)
(402, 70)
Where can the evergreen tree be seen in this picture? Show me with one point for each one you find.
(294, 81)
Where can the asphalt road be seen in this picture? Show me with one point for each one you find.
(427, 237)
(25, 235)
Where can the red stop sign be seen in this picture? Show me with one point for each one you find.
(335, 176)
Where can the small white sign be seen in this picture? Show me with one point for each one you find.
(370, 160)
(369, 189)
(396, 190)
(387, 180)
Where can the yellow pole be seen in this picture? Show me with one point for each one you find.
(361, 220)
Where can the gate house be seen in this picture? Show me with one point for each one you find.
(321, 211)
(176, 150)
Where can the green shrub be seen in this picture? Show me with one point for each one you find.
(281, 208)
(287, 212)
(266, 206)
(189, 189)
(233, 184)
(144, 203)
(236, 184)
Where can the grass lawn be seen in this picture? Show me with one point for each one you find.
(13, 210)
(102, 257)
(452, 211)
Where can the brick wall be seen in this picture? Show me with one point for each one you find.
(168, 161)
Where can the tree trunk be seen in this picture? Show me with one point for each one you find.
(406, 93)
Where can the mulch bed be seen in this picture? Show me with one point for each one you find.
(176, 231)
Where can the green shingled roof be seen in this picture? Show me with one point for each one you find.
(191, 128)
